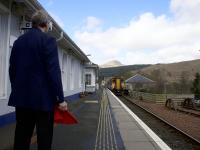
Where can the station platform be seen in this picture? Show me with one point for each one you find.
(104, 124)
(136, 135)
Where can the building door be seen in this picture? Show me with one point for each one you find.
(3, 51)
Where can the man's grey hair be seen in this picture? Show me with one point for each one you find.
(39, 19)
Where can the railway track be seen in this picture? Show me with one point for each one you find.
(190, 111)
(173, 137)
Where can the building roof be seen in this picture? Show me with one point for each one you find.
(66, 40)
(91, 65)
(139, 79)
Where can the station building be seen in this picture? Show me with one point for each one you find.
(15, 16)
(91, 77)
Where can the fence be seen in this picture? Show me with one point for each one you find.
(157, 98)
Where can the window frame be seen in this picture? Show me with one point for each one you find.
(88, 81)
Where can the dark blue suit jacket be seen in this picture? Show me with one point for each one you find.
(34, 72)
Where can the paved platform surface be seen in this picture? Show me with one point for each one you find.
(133, 134)
(103, 125)
(81, 136)
(96, 130)
(67, 137)
(108, 135)
(7, 137)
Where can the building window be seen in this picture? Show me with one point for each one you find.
(88, 79)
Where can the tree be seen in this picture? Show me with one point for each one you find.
(158, 75)
(196, 86)
(175, 88)
(127, 74)
(184, 82)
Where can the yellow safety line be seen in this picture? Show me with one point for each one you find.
(105, 136)
(113, 130)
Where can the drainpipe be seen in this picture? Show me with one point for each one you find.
(61, 37)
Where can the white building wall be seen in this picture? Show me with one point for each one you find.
(12, 32)
(81, 77)
(3, 52)
(64, 69)
(73, 75)
(71, 67)
(60, 55)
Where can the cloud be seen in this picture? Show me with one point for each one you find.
(92, 23)
(57, 19)
(186, 10)
(147, 39)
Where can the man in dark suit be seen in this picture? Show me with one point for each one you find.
(36, 84)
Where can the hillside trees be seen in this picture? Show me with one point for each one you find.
(158, 76)
(176, 82)
(196, 86)
(184, 83)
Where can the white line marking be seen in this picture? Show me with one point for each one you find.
(159, 141)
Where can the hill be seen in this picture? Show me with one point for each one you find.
(172, 72)
(113, 63)
(120, 70)
(171, 78)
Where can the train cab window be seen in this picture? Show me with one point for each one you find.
(88, 79)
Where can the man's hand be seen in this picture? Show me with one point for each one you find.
(63, 106)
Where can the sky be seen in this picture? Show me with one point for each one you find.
(131, 31)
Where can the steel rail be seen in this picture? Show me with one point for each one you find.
(184, 133)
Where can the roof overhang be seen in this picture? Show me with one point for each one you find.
(66, 41)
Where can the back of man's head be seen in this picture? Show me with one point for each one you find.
(39, 19)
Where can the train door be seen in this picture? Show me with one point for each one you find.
(118, 84)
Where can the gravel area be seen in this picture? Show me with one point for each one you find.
(186, 122)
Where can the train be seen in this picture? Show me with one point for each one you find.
(117, 86)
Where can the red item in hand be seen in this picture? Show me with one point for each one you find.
(64, 117)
